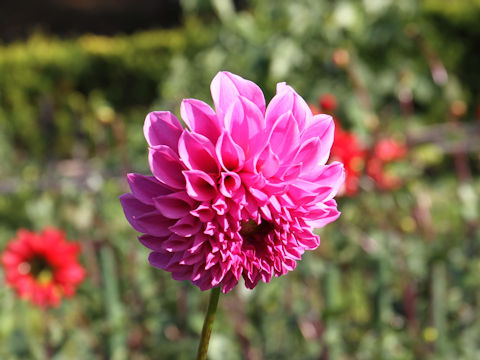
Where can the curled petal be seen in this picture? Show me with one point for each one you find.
(166, 166)
(312, 155)
(160, 259)
(281, 104)
(152, 242)
(332, 175)
(162, 128)
(197, 152)
(175, 243)
(267, 163)
(200, 185)
(300, 109)
(220, 206)
(174, 205)
(200, 118)
(229, 183)
(245, 123)
(230, 155)
(284, 136)
(186, 226)
(143, 218)
(226, 87)
(323, 214)
(323, 128)
(145, 188)
(204, 212)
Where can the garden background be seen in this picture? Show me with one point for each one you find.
(396, 277)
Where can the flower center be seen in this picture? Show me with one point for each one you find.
(251, 231)
(38, 267)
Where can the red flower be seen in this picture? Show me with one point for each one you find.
(327, 102)
(348, 150)
(42, 267)
(384, 152)
(346, 147)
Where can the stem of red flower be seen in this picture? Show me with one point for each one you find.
(208, 324)
(46, 335)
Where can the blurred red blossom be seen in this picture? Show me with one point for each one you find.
(358, 158)
(385, 151)
(347, 149)
(327, 102)
(42, 267)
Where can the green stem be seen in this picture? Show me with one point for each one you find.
(208, 324)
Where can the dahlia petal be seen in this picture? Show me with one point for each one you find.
(267, 163)
(300, 109)
(229, 154)
(229, 183)
(199, 185)
(193, 258)
(226, 87)
(332, 175)
(245, 123)
(310, 155)
(266, 213)
(228, 283)
(176, 243)
(309, 242)
(174, 205)
(281, 104)
(259, 195)
(186, 226)
(197, 152)
(145, 188)
(204, 212)
(143, 218)
(166, 166)
(211, 260)
(252, 280)
(253, 180)
(162, 128)
(181, 273)
(159, 259)
(210, 229)
(153, 223)
(197, 243)
(217, 275)
(220, 206)
(134, 206)
(322, 126)
(304, 192)
(205, 282)
(250, 206)
(294, 252)
(200, 118)
(275, 187)
(284, 136)
(289, 173)
(323, 214)
(152, 242)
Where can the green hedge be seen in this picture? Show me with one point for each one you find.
(53, 91)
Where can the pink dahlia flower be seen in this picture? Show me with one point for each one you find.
(239, 192)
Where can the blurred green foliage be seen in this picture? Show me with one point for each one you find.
(396, 277)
